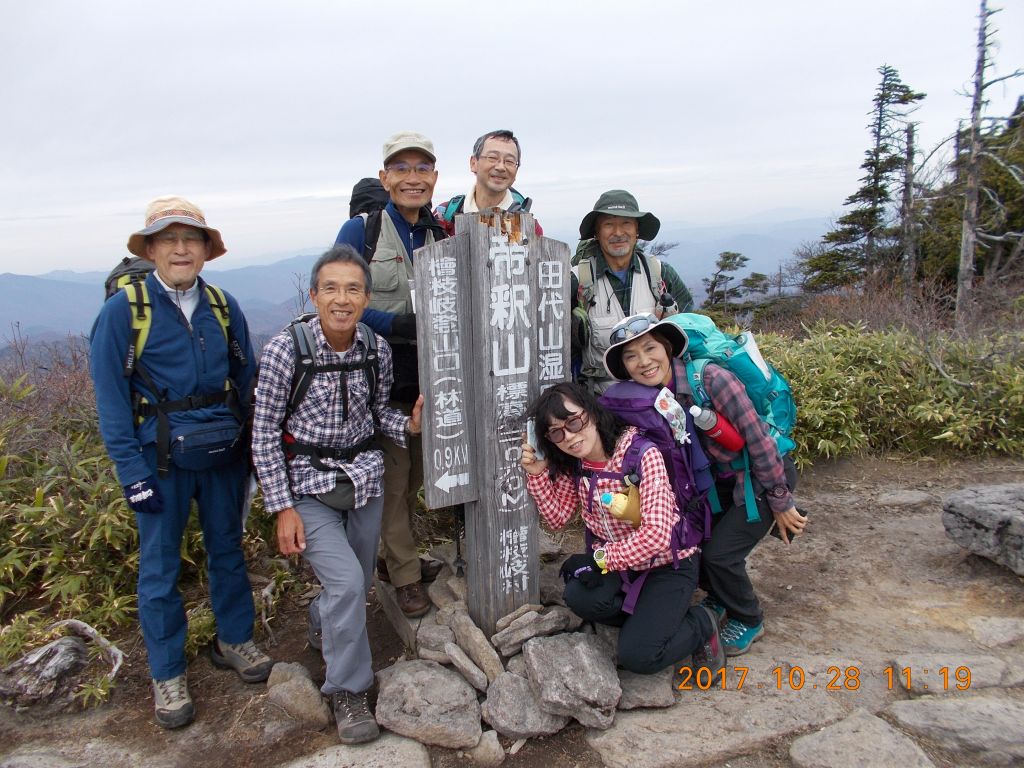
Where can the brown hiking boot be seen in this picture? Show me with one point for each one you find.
(413, 600)
(352, 714)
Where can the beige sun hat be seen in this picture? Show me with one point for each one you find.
(408, 140)
(171, 209)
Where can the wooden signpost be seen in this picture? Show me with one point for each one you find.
(492, 317)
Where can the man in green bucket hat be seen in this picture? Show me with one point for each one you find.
(612, 278)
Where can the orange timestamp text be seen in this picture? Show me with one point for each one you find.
(835, 678)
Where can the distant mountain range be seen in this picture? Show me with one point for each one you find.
(51, 306)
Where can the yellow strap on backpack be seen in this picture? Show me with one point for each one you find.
(142, 319)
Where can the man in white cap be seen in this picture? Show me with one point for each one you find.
(387, 242)
(169, 357)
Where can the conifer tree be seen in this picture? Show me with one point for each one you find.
(864, 239)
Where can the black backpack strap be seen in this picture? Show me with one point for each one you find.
(304, 343)
(371, 234)
(371, 364)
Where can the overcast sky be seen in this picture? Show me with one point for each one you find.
(265, 114)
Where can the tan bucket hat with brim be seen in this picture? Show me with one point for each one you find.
(618, 202)
(634, 327)
(171, 209)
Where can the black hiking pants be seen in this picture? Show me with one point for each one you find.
(723, 562)
(663, 628)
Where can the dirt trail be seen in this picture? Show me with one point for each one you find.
(866, 584)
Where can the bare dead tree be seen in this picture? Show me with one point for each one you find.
(907, 214)
(972, 167)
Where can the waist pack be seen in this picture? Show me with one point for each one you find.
(206, 445)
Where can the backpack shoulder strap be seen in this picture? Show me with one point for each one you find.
(372, 363)
(222, 311)
(453, 207)
(652, 268)
(304, 343)
(142, 319)
(371, 233)
(631, 458)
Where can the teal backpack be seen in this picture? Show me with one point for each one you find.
(769, 392)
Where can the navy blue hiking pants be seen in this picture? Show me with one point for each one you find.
(218, 494)
(663, 628)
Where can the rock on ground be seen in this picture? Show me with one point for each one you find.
(389, 751)
(471, 639)
(989, 521)
(709, 727)
(488, 753)
(301, 699)
(860, 741)
(997, 631)
(986, 728)
(573, 674)
(985, 672)
(640, 691)
(473, 674)
(283, 671)
(513, 710)
(428, 703)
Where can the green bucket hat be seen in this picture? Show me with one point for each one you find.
(618, 202)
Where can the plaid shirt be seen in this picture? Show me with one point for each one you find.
(625, 547)
(729, 397)
(318, 421)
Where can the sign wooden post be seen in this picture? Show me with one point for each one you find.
(492, 317)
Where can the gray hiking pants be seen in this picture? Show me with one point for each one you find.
(341, 547)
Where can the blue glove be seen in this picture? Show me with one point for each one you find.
(144, 497)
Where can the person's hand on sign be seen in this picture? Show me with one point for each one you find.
(415, 425)
(529, 460)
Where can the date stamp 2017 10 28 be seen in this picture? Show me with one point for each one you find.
(836, 678)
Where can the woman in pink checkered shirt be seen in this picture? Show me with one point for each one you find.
(583, 446)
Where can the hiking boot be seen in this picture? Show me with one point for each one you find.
(712, 604)
(172, 704)
(710, 654)
(315, 631)
(737, 637)
(413, 600)
(428, 570)
(251, 664)
(352, 714)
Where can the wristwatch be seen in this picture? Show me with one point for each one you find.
(778, 491)
(599, 558)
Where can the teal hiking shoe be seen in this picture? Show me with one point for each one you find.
(737, 637)
(711, 603)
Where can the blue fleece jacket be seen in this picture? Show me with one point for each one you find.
(181, 362)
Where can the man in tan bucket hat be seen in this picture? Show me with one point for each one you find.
(170, 357)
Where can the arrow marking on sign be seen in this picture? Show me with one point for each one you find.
(446, 482)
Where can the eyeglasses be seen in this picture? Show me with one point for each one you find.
(572, 425)
(188, 237)
(493, 159)
(404, 169)
(634, 326)
(330, 290)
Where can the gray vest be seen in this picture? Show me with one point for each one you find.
(605, 312)
(391, 269)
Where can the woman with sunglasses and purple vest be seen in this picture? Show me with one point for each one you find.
(643, 349)
(582, 450)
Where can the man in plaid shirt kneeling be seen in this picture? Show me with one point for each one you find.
(320, 469)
